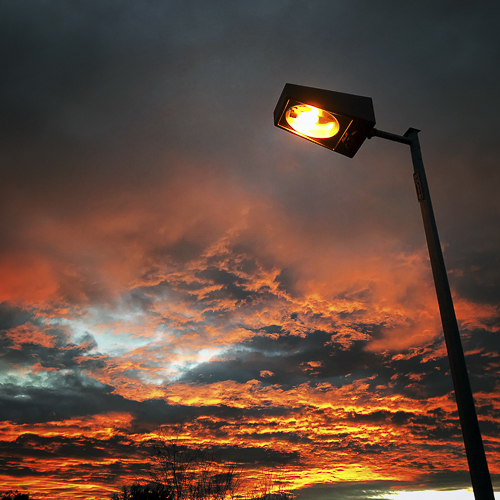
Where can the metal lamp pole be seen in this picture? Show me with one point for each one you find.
(341, 122)
(478, 466)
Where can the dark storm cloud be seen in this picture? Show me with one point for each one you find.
(348, 491)
(450, 480)
(288, 357)
(68, 396)
(476, 274)
(232, 285)
(286, 281)
(83, 451)
(483, 355)
(61, 356)
(74, 394)
(41, 447)
(265, 457)
(199, 292)
(372, 490)
(44, 344)
(182, 251)
(12, 316)
(157, 412)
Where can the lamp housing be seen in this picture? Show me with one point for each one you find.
(337, 121)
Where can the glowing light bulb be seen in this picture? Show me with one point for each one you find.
(311, 121)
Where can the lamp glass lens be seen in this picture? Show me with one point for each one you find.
(312, 122)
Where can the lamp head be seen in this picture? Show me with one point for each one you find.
(337, 121)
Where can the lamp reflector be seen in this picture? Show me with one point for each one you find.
(312, 121)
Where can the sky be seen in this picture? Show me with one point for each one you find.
(172, 263)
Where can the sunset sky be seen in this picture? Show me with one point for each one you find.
(172, 262)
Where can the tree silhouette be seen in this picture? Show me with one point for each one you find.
(151, 491)
(192, 474)
(182, 473)
(15, 495)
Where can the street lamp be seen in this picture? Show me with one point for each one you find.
(341, 122)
